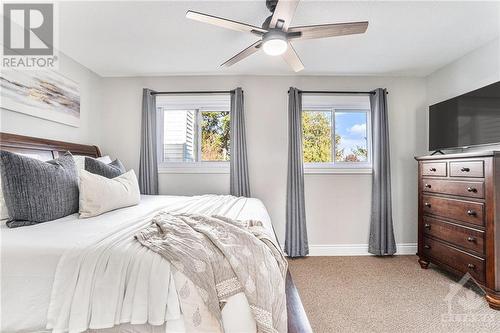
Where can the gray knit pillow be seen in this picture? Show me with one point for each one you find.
(37, 191)
(111, 170)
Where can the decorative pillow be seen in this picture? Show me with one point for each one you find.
(4, 214)
(111, 170)
(37, 191)
(99, 194)
(80, 160)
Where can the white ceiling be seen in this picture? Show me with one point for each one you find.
(154, 38)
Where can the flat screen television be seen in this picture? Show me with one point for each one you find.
(470, 119)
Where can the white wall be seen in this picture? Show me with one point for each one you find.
(474, 70)
(338, 206)
(89, 130)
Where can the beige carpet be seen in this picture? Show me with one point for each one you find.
(390, 294)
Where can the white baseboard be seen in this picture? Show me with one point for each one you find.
(356, 249)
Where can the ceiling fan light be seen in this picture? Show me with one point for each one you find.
(275, 47)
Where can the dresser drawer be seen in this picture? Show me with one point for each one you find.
(466, 211)
(457, 259)
(454, 187)
(464, 237)
(434, 169)
(473, 169)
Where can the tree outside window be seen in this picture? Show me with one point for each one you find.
(215, 138)
(349, 130)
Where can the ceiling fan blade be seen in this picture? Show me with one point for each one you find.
(328, 30)
(284, 11)
(243, 54)
(292, 58)
(224, 23)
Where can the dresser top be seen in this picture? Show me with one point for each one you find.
(487, 153)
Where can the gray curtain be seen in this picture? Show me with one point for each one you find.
(148, 166)
(296, 244)
(239, 184)
(381, 231)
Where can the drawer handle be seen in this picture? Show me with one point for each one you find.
(427, 186)
(471, 189)
(470, 212)
(427, 204)
(427, 246)
(432, 169)
(471, 266)
(427, 226)
(465, 169)
(471, 239)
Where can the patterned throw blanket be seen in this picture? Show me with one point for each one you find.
(223, 257)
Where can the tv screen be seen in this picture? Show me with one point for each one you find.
(470, 119)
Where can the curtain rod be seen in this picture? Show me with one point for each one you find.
(336, 92)
(193, 92)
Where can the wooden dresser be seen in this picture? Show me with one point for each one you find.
(459, 216)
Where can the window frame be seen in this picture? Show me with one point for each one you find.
(214, 167)
(340, 166)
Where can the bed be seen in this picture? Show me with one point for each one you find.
(35, 258)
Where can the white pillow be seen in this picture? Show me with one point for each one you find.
(99, 194)
(104, 159)
(80, 160)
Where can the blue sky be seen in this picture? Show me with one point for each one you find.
(351, 126)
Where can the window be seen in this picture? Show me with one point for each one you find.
(336, 132)
(193, 132)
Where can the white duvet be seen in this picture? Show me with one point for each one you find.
(78, 274)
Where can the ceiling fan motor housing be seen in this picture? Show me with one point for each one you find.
(274, 34)
(274, 42)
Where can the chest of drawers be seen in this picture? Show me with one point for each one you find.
(459, 217)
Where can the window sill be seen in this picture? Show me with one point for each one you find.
(343, 171)
(195, 168)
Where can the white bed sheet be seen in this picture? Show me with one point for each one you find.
(29, 256)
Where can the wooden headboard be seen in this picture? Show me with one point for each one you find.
(44, 149)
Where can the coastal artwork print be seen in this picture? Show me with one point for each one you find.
(44, 94)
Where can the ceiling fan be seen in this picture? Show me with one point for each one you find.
(276, 34)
